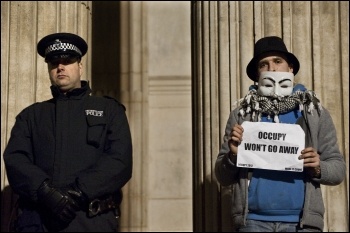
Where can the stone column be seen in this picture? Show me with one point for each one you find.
(133, 86)
(215, 70)
(223, 36)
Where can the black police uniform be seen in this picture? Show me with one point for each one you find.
(70, 137)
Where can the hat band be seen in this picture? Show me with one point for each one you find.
(63, 47)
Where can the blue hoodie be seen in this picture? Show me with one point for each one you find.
(277, 195)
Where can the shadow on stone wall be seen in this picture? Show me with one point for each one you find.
(212, 206)
(8, 210)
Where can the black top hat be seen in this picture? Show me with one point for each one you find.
(61, 45)
(270, 44)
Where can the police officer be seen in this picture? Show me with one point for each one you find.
(68, 157)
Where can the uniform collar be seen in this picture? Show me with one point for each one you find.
(76, 93)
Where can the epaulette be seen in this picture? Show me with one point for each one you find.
(112, 98)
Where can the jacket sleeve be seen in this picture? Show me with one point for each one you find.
(23, 175)
(333, 167)
(226, 171)
(114, 167)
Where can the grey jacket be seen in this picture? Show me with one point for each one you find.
(320, 133)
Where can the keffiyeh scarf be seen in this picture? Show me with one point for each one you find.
(257, 104)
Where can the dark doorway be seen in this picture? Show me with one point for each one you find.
(105, 51)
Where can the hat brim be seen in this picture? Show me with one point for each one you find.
(252, 66)
(61, 55)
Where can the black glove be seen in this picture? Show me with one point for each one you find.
(77, 195)
(60, 203)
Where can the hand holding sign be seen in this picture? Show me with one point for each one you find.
(271, 146)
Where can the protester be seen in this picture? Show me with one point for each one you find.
(275, 200)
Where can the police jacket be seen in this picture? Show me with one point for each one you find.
(70, 137)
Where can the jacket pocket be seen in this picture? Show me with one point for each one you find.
(96, 126)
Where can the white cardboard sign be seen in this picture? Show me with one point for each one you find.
(273, 146)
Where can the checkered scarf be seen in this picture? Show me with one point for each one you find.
(256, 104)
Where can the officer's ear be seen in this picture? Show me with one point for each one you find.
(80, 64)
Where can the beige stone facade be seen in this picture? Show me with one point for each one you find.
(177, 67)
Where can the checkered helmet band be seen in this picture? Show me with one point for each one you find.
(62, 46)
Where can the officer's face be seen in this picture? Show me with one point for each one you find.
(65, 73)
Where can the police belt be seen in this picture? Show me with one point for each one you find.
(99, 206)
